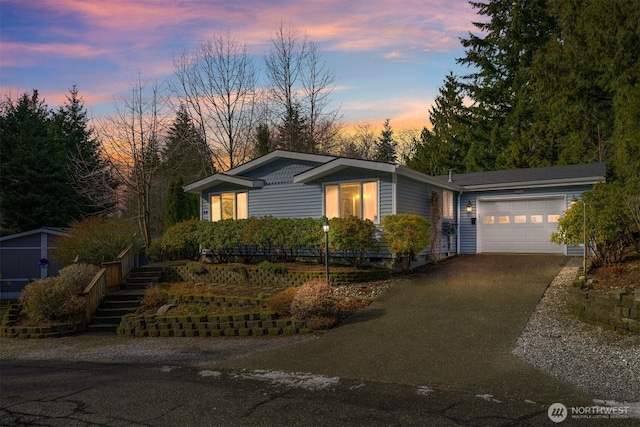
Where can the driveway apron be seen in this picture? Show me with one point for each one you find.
(451, 327)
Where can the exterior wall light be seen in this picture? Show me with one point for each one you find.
(469, 207)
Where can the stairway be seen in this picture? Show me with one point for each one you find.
(124, 301)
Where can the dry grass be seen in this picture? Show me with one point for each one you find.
(622, 277)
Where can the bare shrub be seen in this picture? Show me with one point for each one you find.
(319, 323)
(154, 297)
(281, 302)
(76, 277)
(43, 299)
(315, 299)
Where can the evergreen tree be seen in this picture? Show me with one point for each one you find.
(445, 146)
(186, 153)
(293, 134)
(180, 205)
(34, 189)
(263, 140)
(385, 149)
(90, 175)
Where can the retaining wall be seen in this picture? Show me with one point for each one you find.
(242, 275)
(618, 311)
(228, 325)
(8, 330)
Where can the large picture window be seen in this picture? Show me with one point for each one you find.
(229, 206)
(352, 199)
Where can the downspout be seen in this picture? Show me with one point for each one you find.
(459, 223)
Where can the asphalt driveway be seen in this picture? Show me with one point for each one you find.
(451, 327)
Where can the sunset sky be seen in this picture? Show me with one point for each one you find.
(389, 56)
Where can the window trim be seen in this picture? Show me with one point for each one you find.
(235, 204)
(361, 183)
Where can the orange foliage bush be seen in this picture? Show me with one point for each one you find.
(281, 302)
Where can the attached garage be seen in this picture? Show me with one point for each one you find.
(519, 225)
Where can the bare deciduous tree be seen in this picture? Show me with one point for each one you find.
(217, 84)
(299, 87)
(131, 144)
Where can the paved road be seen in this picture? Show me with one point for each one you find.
(435, 350)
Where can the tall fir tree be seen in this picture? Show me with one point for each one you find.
(446, 145)
(34, 181)
(86, 166)
(385, 149)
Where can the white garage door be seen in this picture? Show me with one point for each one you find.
(519, 225)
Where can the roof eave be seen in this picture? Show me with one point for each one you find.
(535, 184)
(419, 176)
(339, 164)
(218, 179)
(279, 154)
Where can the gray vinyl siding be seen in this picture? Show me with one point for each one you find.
(19, 262)
(414, 197)
(280, 171)
(287, 201)
(468, 232)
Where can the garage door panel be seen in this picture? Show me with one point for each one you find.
(522, 226)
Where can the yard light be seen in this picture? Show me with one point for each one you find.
(584, 226)
(469, 207)
(325, 227)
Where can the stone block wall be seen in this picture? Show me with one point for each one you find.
(253, 275)
(618, 311)
(216, 325)
(9, 330)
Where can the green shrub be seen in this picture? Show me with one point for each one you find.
(405, 235)
(272, 267)
(610, 223)
(48, 299)
(95, 240)
(180, 241)
(154, 297)
(314, 299)
(353, 237)
(196, 268)
(155, 252)
(76, 277)
(281, 302)
(220, 237)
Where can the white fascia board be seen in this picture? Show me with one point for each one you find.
(220, 178)
(340, 164)
(419, 176)
(536, 184)
(279, 154)
(32, 232)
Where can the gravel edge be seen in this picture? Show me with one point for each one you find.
(599, 362)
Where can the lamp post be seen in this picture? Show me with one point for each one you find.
(325, 227)
(574, 201)
(584, 228)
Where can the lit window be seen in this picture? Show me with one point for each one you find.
(520, 219)
(351, 199)
(229, 206)
(503, 219)
(447, 204)
(553, 218)
(488, 219)
(536, 219)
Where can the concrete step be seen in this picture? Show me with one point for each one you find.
(111, 312)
